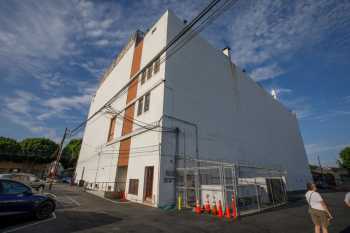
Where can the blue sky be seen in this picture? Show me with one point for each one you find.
(52, 54)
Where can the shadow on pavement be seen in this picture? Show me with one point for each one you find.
(83, 220)
(9, 221)
(346, 230)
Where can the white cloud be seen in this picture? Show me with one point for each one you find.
(317, 148)
(65, 103)
(266, 72)
(20, 108)
(267, 30)
(322, 117)
(281, 91)
(29, 111)
(20, 103)
(300, 106)
(102, 42)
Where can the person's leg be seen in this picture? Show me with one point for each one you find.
(324, 229)
(317, 229)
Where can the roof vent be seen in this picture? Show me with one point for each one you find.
(227, 51)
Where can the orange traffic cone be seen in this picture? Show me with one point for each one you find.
(234, 209)
(213, 207)
(123, 197)
(220, 213)
(207, 205)
(198, 208)
(227, 211)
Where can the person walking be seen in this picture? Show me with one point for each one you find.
(318, 209)
(347, 199)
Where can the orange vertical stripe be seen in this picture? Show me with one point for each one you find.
(124, 149)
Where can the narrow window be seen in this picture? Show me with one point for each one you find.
(147, 101)
(157, 65)
(111, 129)
(139, 106)
(133, 186)
(143, 77)
(149, 71)
(153, 30)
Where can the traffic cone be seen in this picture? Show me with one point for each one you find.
(123, 198)
(220, 213)
(198, 208)
(213, 208)
(207, 206)
(234, 209)
(227, 211)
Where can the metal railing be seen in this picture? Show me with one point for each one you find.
(118, 186)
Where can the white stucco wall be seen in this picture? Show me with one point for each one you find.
(97, 161)
(99, 157)
(237, 120)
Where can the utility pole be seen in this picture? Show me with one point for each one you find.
(53, 170)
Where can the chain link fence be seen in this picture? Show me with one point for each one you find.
(248, 188)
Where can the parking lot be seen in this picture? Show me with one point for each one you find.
(78, 211)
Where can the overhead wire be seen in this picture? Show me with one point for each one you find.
(171, 43)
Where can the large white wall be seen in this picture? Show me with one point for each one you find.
(97, 161)
(237, 120)
(154, 41)
(99, 157)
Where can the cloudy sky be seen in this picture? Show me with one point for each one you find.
(52, 54)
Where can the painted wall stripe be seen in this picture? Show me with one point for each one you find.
(124, 148)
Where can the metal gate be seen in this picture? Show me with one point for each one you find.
(251, 188)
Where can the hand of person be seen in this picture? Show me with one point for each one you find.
(330, 216)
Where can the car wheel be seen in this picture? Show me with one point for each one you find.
(44, 210)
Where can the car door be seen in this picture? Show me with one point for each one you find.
(15, 198)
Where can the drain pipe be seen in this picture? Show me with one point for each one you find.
(188, 123)
(177, 151)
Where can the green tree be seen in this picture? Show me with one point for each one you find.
(345, 157)
(70, 153)
(40, 150)
(10, 149)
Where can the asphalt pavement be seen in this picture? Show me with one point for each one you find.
(78, 211)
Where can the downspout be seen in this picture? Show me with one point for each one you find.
(197, 154)
(189, 123)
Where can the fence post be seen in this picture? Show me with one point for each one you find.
(271, 190)
(222, 183)
(197, 181)
(185, 183)
(257, 195)
(282, 188)
(236, 184)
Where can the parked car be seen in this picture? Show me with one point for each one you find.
(66, 179)
(17, 198)
(26, 178)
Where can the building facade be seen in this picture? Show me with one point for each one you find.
(193, 102)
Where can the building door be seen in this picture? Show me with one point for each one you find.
(148, 183)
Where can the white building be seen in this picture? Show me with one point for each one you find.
(219, 113)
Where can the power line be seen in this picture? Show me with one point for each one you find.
(146, 125)
(169, 45)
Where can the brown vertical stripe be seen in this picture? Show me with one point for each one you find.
(128, 119)
(124, 149)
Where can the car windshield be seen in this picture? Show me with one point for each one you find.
(5, 176)
(11, 187)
